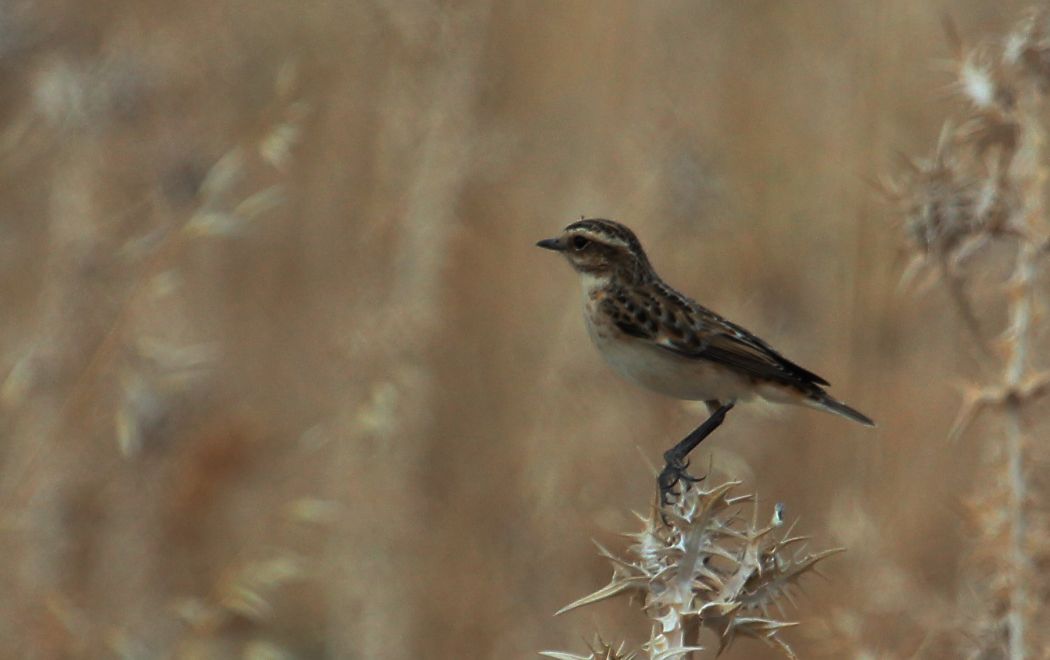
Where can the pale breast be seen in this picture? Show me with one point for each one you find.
(659, 369)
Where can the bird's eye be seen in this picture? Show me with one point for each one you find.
(579, 242)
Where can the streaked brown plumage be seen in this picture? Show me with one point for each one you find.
(667, 342)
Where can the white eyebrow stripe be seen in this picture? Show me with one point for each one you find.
(600, 237)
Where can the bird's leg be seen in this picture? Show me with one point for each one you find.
(675, 458)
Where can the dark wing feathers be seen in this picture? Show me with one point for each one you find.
(680, 325)
(748, 353)
(732, 342)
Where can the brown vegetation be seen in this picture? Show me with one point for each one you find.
(282, 372)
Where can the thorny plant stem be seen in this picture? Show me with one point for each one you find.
(1033, 177)
(1015, 618)
(688, 632)
(965, 308)
(1020, 329)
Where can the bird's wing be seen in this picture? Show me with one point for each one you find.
(679, 325)
(735, 347)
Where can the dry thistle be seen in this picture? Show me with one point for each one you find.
(986, 182)
(949, 212)
(600, 650)
(707, 567)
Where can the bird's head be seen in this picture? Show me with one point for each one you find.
(601, 248)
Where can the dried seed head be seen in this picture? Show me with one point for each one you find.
(938, 198)
(1027, 48)
(709, 566)
(600, 650)
(982, 81)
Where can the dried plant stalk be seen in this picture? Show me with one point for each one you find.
(707, 567)
(987, 182)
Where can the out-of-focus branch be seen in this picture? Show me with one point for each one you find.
(1031, 174)
(986, 182)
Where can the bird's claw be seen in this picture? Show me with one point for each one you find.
(674, 472)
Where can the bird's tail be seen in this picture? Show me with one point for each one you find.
(822, 401)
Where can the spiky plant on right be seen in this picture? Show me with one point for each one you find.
(984, 184)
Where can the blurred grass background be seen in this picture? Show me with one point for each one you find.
(286, 375)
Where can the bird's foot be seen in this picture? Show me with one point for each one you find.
(675, 472)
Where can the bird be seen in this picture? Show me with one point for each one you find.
(660, 339)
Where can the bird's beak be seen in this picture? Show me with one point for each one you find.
(551, 244)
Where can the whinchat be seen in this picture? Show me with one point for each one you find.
(662, 340)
